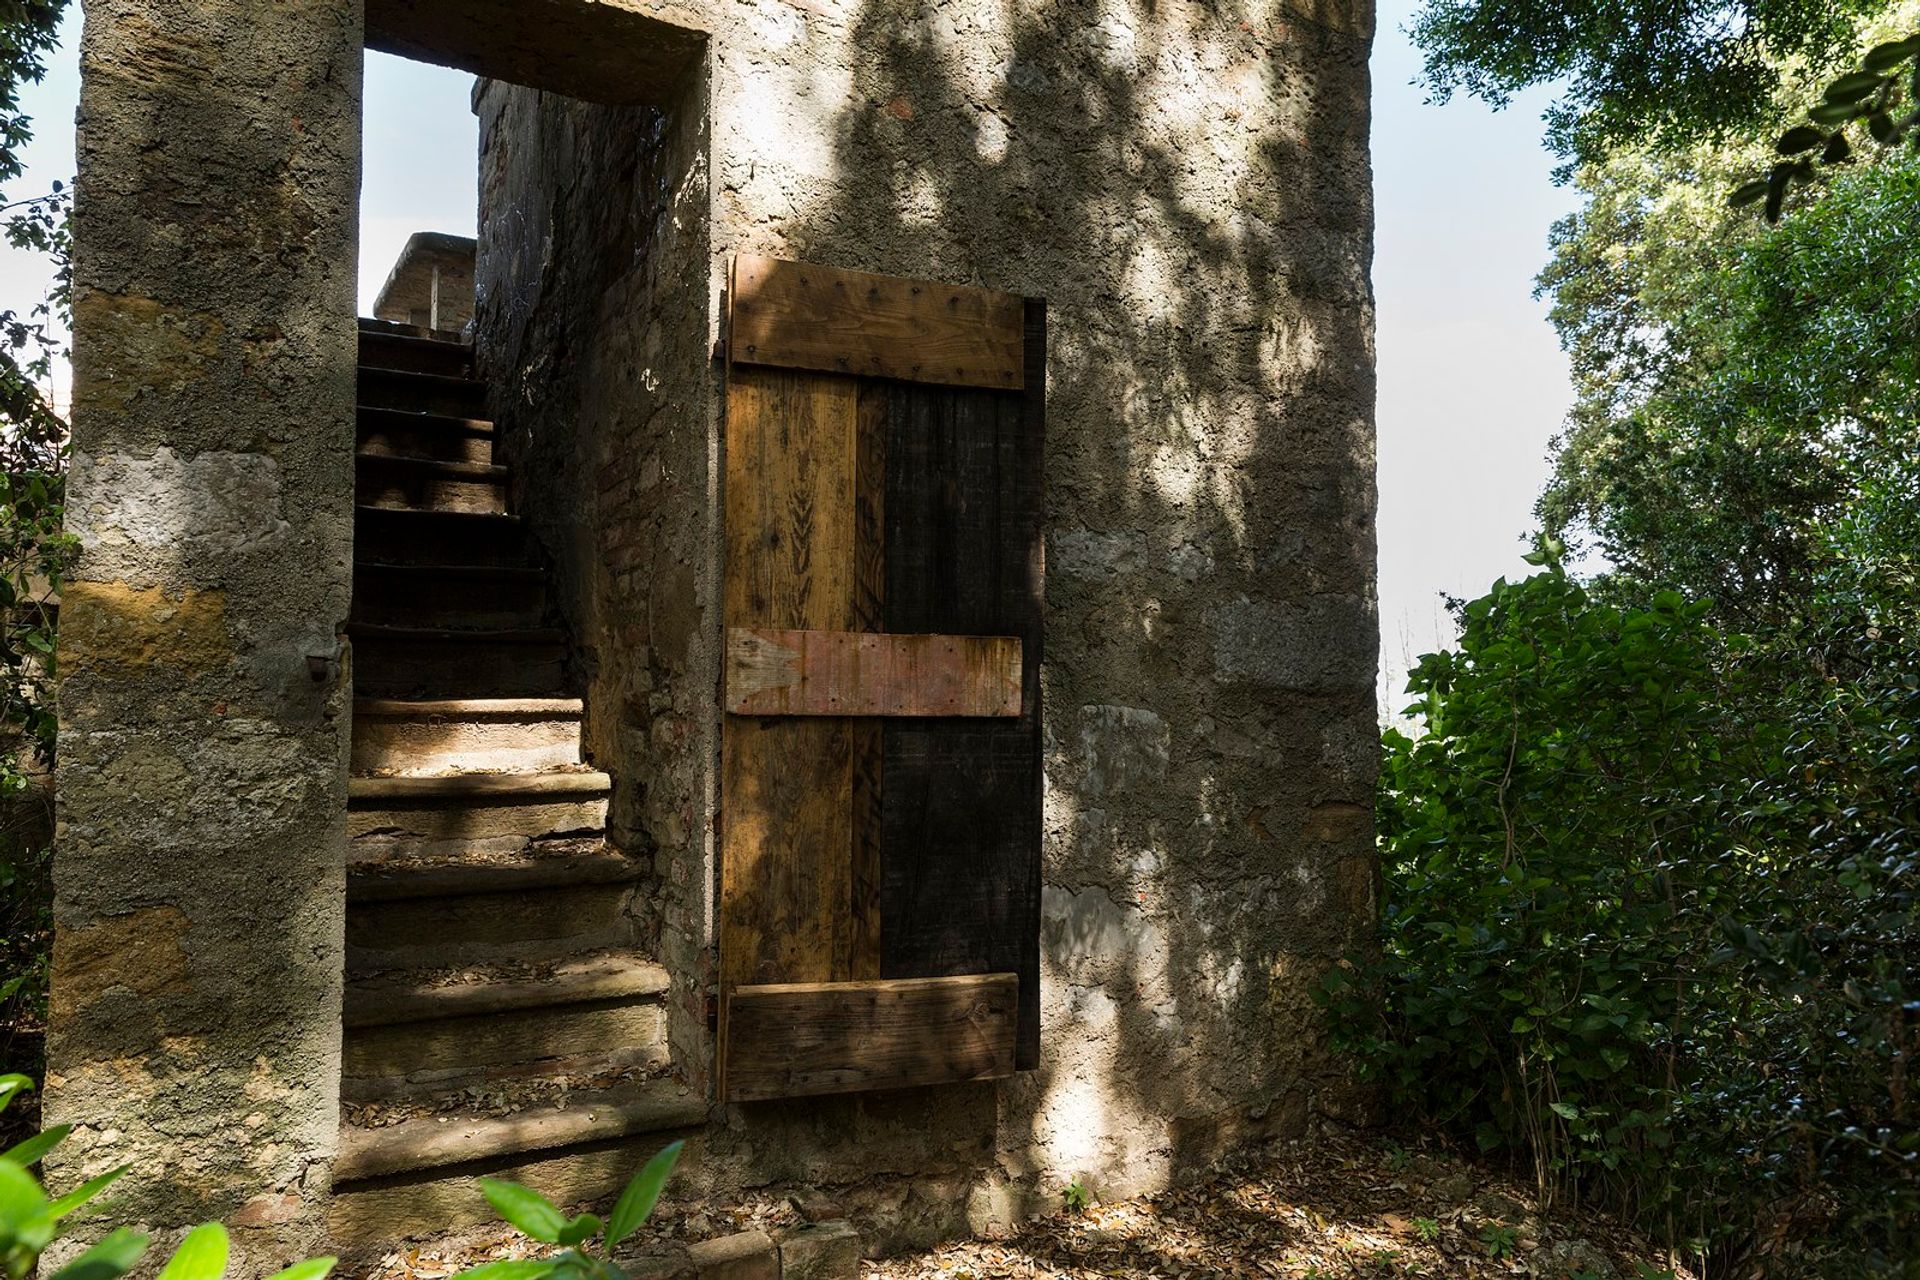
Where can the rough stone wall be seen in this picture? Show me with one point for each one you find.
(1188, 185)
(592, 323)
(202, 765)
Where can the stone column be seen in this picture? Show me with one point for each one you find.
(205, 696)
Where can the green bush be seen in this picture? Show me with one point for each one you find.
(1649, 920)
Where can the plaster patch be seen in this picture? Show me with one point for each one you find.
(111, 625)
(174, 512)
(1121, 747)
(1323, 644)
(140, 952)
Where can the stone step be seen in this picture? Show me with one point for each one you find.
(422, 393)
(378, 872)
(399, 820)
(449, 596)
(423, 739)
(424, 435)
(404, 351)
(432, 662)
(383, 480)
(520, 924)
(404, 535)
(519, 1051)
(427, 995)
(449, 1141)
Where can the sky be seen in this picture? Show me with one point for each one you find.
(1472, 380)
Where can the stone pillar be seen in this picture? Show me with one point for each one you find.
(205, 696)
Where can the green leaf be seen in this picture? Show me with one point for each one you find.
(641, 1194)
(201, 1256)
(21, 1197)
(1885, 57)
(12, 1084)
(1745, 193)
(113, 1256)
(1800, 138)
(34, 1148)
(86, 1191)
(1854, 87)
(526, 1209)
(311, 1269)
(579, 1229)
(1838, 151)
(1834, 112)
(510, 1269)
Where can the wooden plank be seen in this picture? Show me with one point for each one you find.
(795, 1039)
(962, 801)
(869, 614)
(783, 672)
(805, 316)
(786, 813)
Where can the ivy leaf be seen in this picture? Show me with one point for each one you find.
(114, 1256)
(1885, 57)
(201, 1256)
(1746, 193)
(1855, 87)
(30, 1151)
(641, 1194)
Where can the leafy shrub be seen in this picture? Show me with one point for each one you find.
(539, 1218)
(1649, 920)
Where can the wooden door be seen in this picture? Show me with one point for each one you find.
(881, 779)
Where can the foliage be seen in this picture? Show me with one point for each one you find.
(31, 1221)
(537, 1217)
(1737, 395)
(1881, 96)
(1632, 71)
(1076, 1196)
(1650, 919)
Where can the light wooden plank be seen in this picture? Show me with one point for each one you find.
(786, 800)
(800, 315)
(782, 672)
(795, 1039)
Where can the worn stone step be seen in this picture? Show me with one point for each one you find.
(431, 662)
(449, 596)
(429, 994)
(405, 535)
(455, 818)
(423, 739)
(400, 1061)
(415, 354)
(382, 480)
(378, 872)
(520, 924)
(422, 393)
(424, 435)
(569, 1154)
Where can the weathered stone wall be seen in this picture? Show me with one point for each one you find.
(1188, 185)
(202, 765)
(593, 337)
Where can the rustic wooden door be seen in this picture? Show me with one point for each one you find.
(880, 774)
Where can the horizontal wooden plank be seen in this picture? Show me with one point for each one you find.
(798, 1038)
(800, 315)
(780, 672)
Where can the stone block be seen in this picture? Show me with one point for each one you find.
(749, 1255)
(821, 1251)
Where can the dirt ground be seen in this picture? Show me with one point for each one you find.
(1333, 1207)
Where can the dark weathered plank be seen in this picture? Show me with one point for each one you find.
(961, 801)
(784, 672)
(869, 614)
(786, 827)
(794, 1039)
(804, 316)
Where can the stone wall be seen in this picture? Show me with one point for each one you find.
(202, 754)
(1188, 186)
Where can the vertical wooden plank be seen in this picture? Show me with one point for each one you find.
(786, 812)
(961, 805)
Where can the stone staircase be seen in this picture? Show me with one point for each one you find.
(499, 1011)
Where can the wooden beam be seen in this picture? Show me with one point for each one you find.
(804, 316)
(794, 1039)
(773, 672)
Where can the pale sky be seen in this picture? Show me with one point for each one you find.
(1472, 382)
